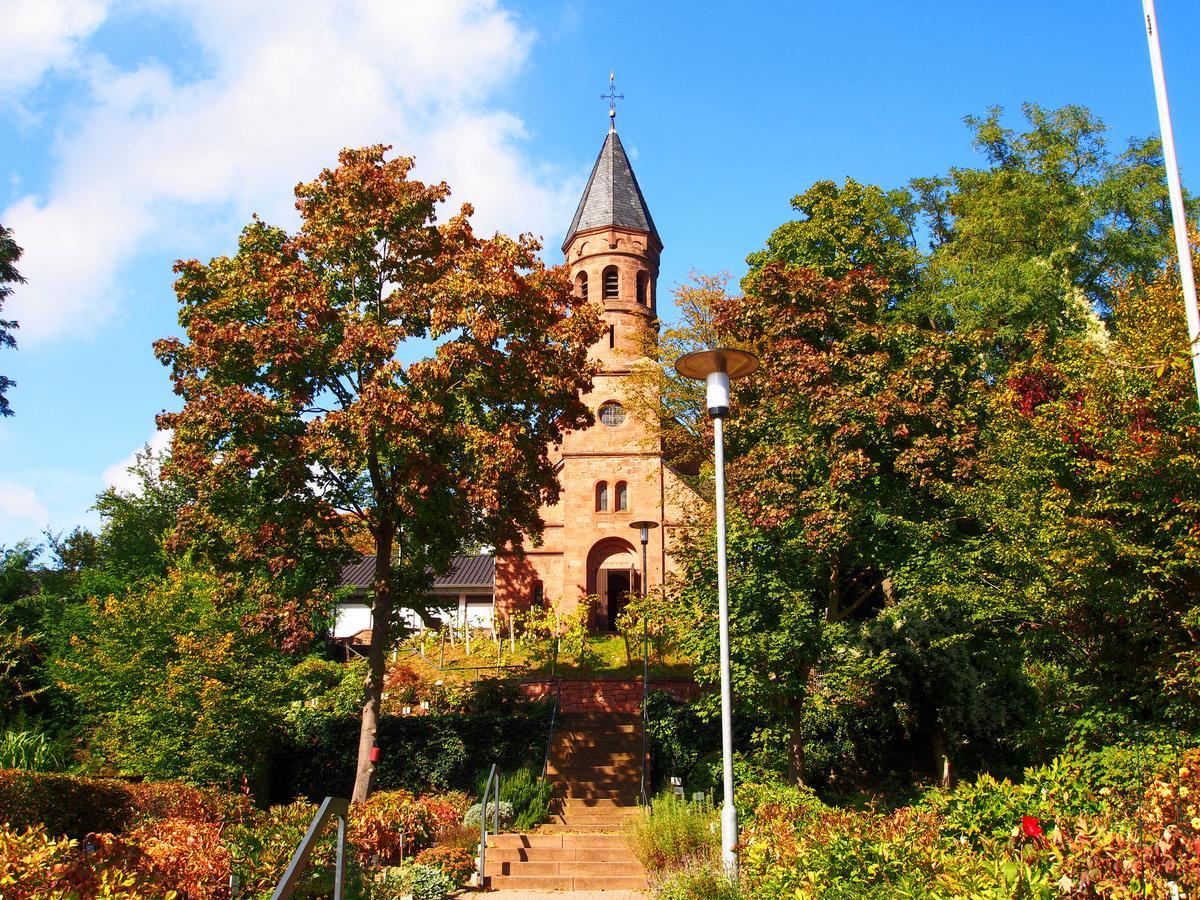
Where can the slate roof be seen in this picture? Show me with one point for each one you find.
(465, 572)
(612, 195)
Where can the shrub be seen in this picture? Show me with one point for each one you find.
(471, 819)
(154, 800)
(526, 793)
(64, 804)
(419, 753)
(675, 832)
(677, 738)
(186, 854)
(456, 863)
(34, 865)
(261, 847)
(429, 883)
(461, 836)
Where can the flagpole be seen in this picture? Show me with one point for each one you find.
(1178, 213)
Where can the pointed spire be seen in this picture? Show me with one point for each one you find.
(612, 196)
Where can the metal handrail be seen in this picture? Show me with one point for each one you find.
(550, 736)
(492, 777)
(330, 807)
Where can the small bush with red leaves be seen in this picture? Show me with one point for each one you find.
(175, 800)
(187, 855)
(36, 866)
(456, 864)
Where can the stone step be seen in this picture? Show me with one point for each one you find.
(542, 839)
(568, 867)
(574, 769)
(612, 817)
(509, 894)
(567, 882)
(608, 823)
(559, 854)
(607, 805)
(583, 829)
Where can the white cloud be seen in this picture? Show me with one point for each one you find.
(118, 476)
(19, 503)
(174, 168)
(40, 35)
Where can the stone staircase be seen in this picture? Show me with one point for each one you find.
(596, 770)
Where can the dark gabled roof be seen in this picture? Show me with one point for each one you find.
(612, 196)
(465, 572)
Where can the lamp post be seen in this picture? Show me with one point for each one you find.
(716, 368)
(645, 527)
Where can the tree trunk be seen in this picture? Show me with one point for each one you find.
(796, 743)
(381, 617)
(944, 768)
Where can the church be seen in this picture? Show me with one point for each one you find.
(612, 474)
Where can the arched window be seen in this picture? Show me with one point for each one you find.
(602, 497)
(611, 283)
(622, 497)
(643, 281)
(581, 284)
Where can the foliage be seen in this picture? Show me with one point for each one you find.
(36, 866)
(675, 832)
(698, 880)
(173, 688)
(10, 254)
(529, 795)
(677, 736)
(471, 817)
(292, 387)
(393, 825)
(64, 804)
(430, 882)
(186, 854)
(456, 863)
(418, 753)
(31, 748)
(261, 846)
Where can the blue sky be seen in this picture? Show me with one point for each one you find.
(136, 133)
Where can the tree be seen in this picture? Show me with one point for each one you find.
(294, 385)
(1041, 236)
(10, 254)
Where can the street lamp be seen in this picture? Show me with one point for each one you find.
(645, 529)
(716, 368)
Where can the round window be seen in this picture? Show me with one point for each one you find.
(612, 414)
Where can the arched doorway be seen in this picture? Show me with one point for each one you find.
(612, 577)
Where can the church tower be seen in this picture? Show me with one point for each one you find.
(612, 474)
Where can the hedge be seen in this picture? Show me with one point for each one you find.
(422, 754)
(67, 804)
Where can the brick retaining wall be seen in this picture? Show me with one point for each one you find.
(622, 695)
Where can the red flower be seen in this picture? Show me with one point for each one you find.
(1031, 826)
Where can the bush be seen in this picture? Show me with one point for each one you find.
(675, 833)
(261, 847)
(456, 863)
(528, 794)
(429, 883)
(421, 754)
(185, 854)
(677, 738)
(392, 825)
(154, 800)
(34, 865)
(471, 819)
(64, 804)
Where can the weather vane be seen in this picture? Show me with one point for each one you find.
(612, 97)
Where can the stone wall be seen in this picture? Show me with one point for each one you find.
(621, 695)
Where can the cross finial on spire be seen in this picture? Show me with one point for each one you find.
(612, 97)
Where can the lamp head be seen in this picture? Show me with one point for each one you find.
(716, 368)
(645, 528)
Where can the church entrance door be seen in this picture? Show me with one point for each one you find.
(611, 578)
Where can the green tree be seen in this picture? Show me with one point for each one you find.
(1041, 236)
(294, 388)
(171, 685)
(10, 254)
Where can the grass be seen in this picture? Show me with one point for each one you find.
(604, 656)
(677, 834)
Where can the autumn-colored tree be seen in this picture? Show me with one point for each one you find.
(10, 254)
(294, 383)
